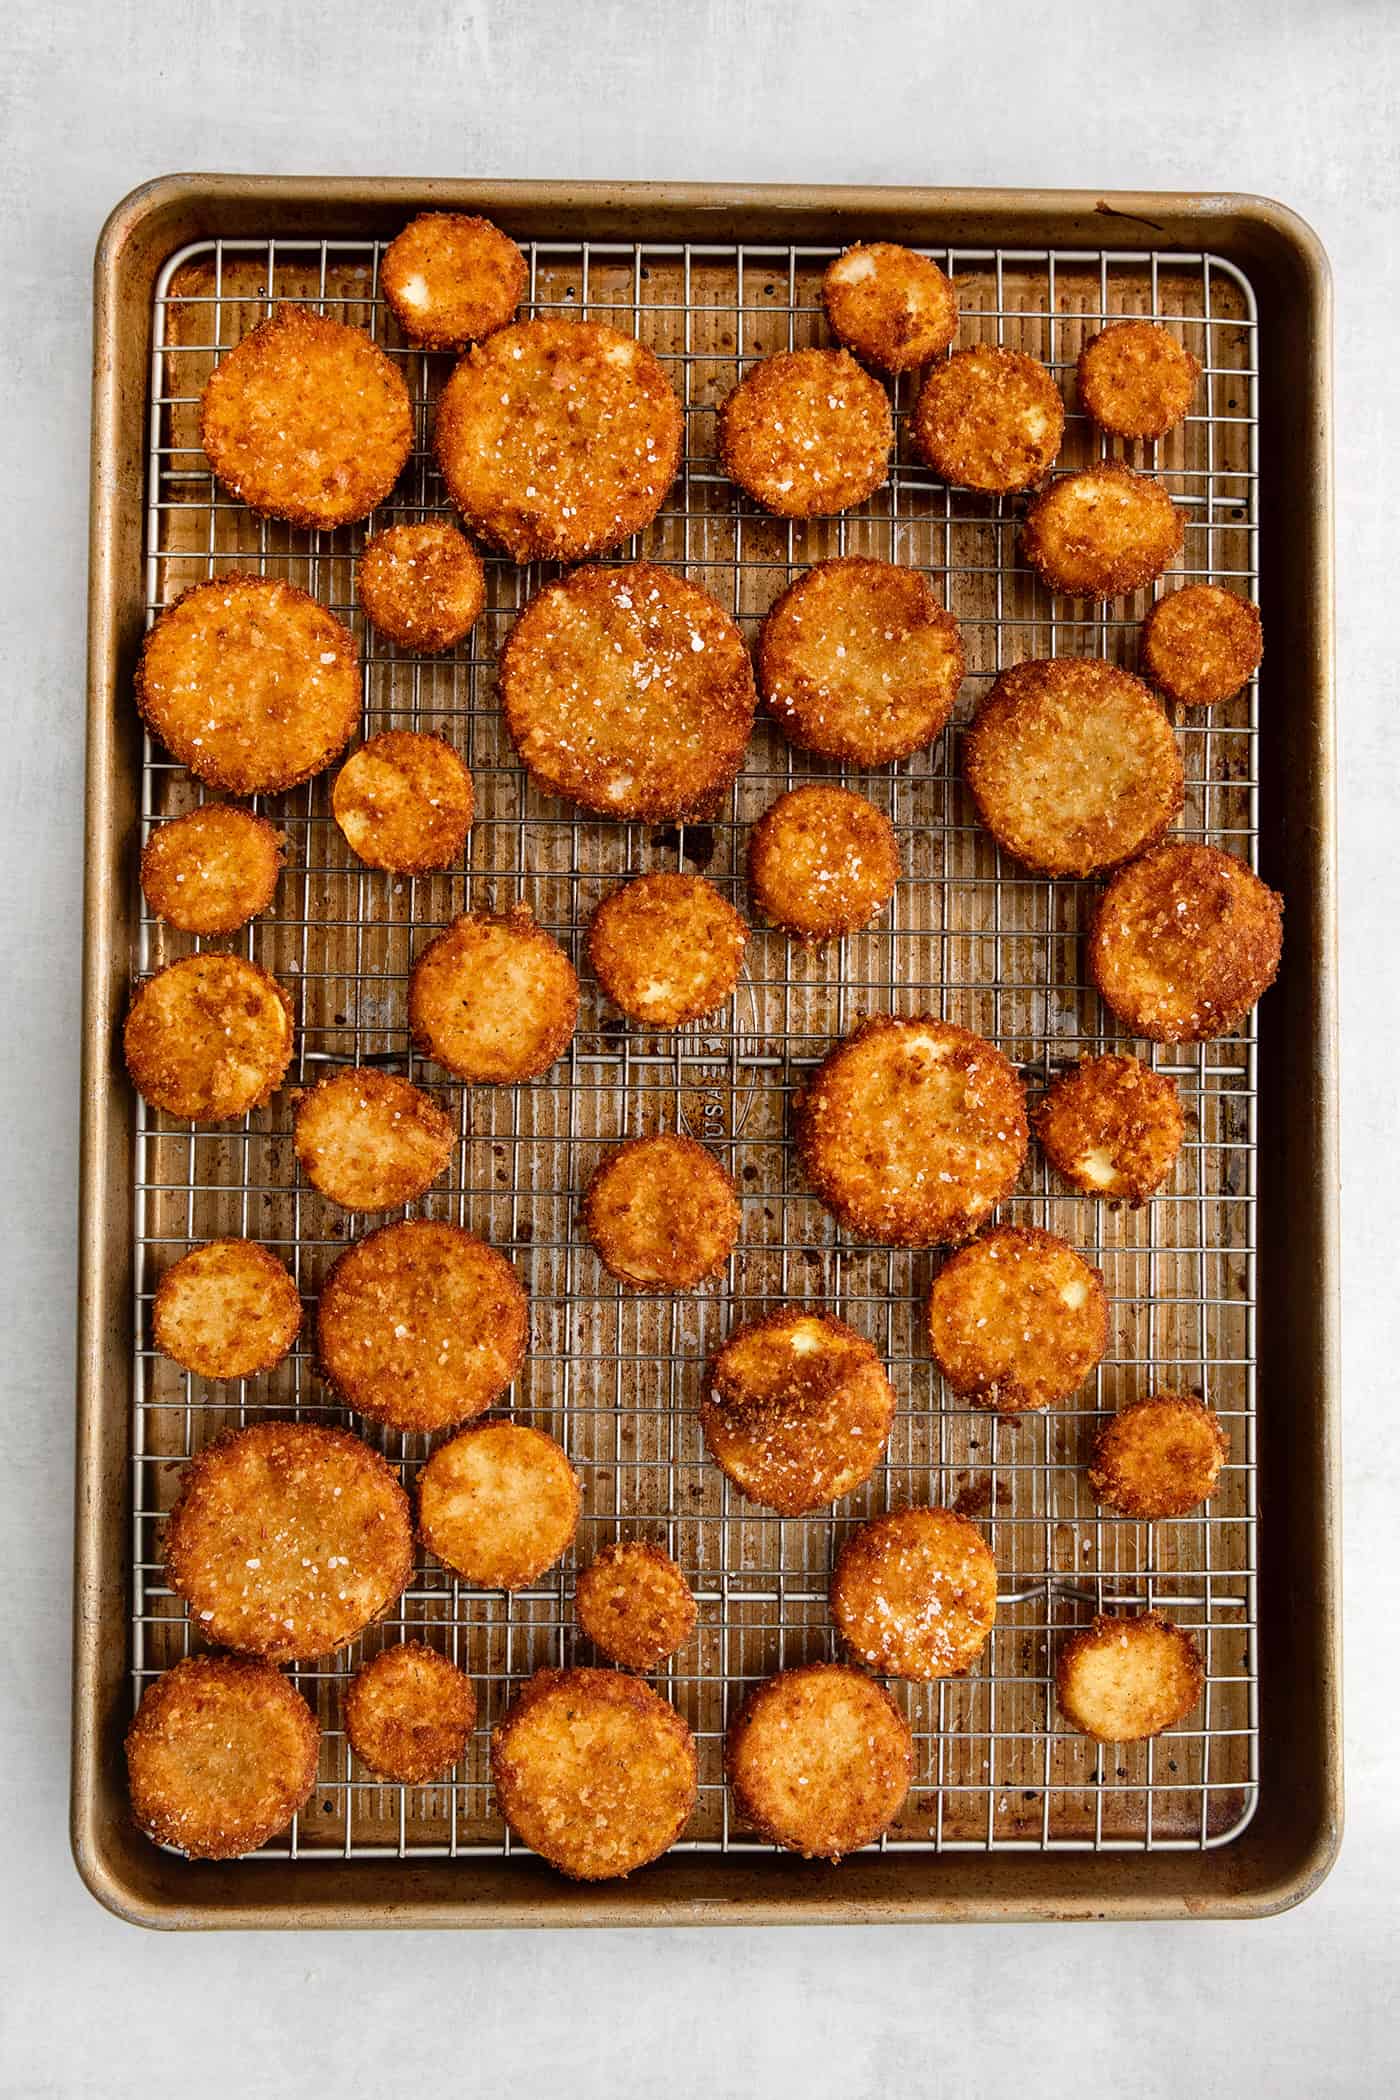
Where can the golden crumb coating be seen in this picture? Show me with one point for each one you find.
(452, 278)
(404, 802)
(1185, 943)
(807, 433)
(820, 1760)
(228, 1309)
(213, 870)
(208, 1038)
(1102, 531)
(421, 585)
(408, 1714)
(634, 1604)
(1201, 644)
(666, 948)
(1158, 1457)
(914, 1593)
(1112, 1127)
(894, 308)
(822, 861)
(989, 419)
(1136, 379)
(493, 998)
(369, 1140)
(1126, 1678)
(221, 1756)
(498, 1504)
(1017, 1320)
(662, 1213)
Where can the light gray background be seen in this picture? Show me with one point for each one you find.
(1298, 99)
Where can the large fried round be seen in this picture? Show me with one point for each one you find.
(894, 308)
(859, 661)
(288, 1540)
(820, 1760)
(1185, 943)
(1136, 379)
(220, 1757)
(213, 870)
(452, 278)
(498, 1504)
(914, 1594)
(1126, 1678)
(369, 1140)
(1201, 643)
(1073, 765)
(208, 1038)
(630, 692)
(662, 1213)
(1102, 532)
(421, 1325)
(822, 861)
(493, 998)
(558, 439)
(250, 683)
(404, 802)
(1017, 1320)
(667, 948)
(797, 1410)
(228, 1309)
(989, 419)
(807, 433)
(912, 1131)
(1159, 1457)
(1112, 1127)
(307, 419)
(408, 1714)
(594, 1771)
(421, 585)
(634, 1604)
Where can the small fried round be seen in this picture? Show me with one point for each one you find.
(634, 1604)
(558, 439)
(493, 998)
(422, 585)
(288, 1540)
(594, 1771)
(912, 1131)
(989, 419)
(421, 1325)
(822, 861)
(208, 1038)
(894, 308)
(498, 1504)
(404, 802)
(452, 278)
(820, 1760)
(914, 1594)
(666, 948)
(807, 433)
(1112, 1127)
(228, 1309)
(1073, 765)
(1126, 1678)
(408, 1714)
(1017, 1320)
(662, 1213)
(306, 419)
(213, 870)
(369, 1140)
(221, 1756)
(1136, 379)
(1185, 943)
(859, 661)
(1201, 644)
(1159, 1457)
(1102, 531)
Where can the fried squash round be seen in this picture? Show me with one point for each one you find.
(422, 585)
(1112, 1127)
(893, 307)
(1017, 1320)
(1102, 532)
(1185, 943)
(820, 1760)
(662, 1213)
(208, 1038)
(404, 802)
(228, 1309)
(914, 1593)
(1126, 1678)
(498, 1504)
(822, 861)
(369, 1140)
(221, 1756)
(1136, 379)
(213, 870)
(494, 998)
(989, 419)
(1159, 1457)
(409, 1713)
(807, 433)
(452, 278)
(1201, 644)
(634, 1604)
(667, 948)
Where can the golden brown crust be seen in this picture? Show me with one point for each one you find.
(228, 1309)
(408, 1714)
(220, 1757)
(1112, 1127)
(369, 1140)
(452, 278)
(213, 870)
(208, 1038)
(666, 948)
(634, 1604)
(494, 998)
(1017, 1320)
(989, 419)
(1136, 379)
(594, 1771)
(404, 802)
(820, 1760)
(807, 433)
(421, 585)
(662, 1213)
(498, 1504)
(821, 862)
(914, 1593)
(892, 307)
(288, 1539)
(1158, 1457)
(1185, 943)
(1126, 1678)
(421, 1325)
(1102, 531)
(1200, 644)
(796, 1410)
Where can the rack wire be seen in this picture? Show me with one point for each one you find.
(968, 934)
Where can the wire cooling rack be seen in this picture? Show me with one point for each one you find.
(969, 935)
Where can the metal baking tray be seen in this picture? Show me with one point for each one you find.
(1226, 1282)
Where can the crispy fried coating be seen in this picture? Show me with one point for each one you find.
(1159, 1457)
(914, 1593)
(213, 870)
(1017, 1320)
(594, 1771)
(228, 1309)
(1112, 1127)
(558, 439)
(250, 683)
(859, 661)
(493, 998)
(208, 1037)
(1200, 644)
(630, 692)
(634, 1604)
(1136, 379)
(498, 1504)
(894, 308)
(220, 1757)
(408, 1714)
(1126, 1678)
(662, 1213)
(288, 1540)
(989, 419)
(404, 802)
(666, 948)
(912, 1130)
(452, 278)
(421, 585)
(819, 1759)
(807, 433)
(369, 1140)
(421, 1325)
(1185, 943)
(1073, 765)
(822, 861)
(1102, 531)
(306, 419)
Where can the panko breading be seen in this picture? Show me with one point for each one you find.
(1136, 379)
(452, 278)
(1112, 1127)
(250, 683)
(558, 439)
(1017, 1320)
(1201, 644)
(822, 861)
(494, 998)
(912, 1131)
(228, 1309)
(914, 1594)
(288, 1540)
(220, 1757)
(634, 1604)
(421, 1325)
(1124, 1679)
(630, 692)
(859, 661)
(213, 870)
(989, 419)
(1185, 943)
(1159, 1457)
(498, 1504)
(807, 433)
(796, 1410)
(421, 585)
(1073, 765)
(667, 948)
(662, 1213)
(1102, 532)
(594, 1771)
(208, 1037)
(408, 1714)
(820, 1760)
(306, 419)
(404, 802)
(369, 1140)
(894, 308)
